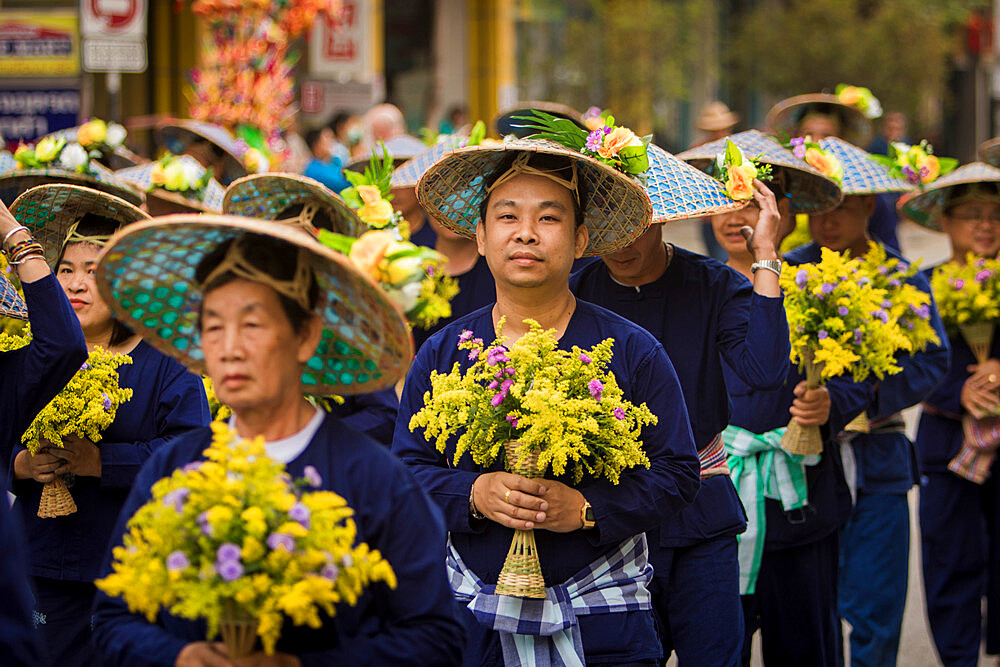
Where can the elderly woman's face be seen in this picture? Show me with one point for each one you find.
(252, 354)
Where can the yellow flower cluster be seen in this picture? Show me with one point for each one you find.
(840, 320)
(911, 307)
(564, 402)
(234, 536)
(219, 410)
(87, 404)
(967, 293)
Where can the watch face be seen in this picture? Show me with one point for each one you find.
(589, 514)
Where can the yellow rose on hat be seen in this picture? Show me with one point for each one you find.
(850, 95)
(92, 132)
(739, 182)
(402, 270)
(175, 177)
(378, 214)
(48, 148)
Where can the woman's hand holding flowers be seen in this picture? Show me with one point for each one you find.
(81, 456)
(203, 654)
(40, 467)
(979, 393)
(811, 407)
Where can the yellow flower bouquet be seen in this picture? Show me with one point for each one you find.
(179, 174)
(85, 407)
(546, 408)
(968, 299)
(839, 322)
(233, 540)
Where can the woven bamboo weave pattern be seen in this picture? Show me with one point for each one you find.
(11, 303)
(411, 171)
(17, 181)
(863, 176)
(56, 500)
(265, 196)
(925, 207)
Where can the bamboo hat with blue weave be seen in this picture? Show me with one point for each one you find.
(146, 274)
(162, 201)
(53, 211)
(810, 191)
(617, 209)
(400, 148)
(926, 207)
(176, 135)
(679, 191)
(14, 180)
(862, 175)
(291, 198)
(785, 116)
(407, 175)
(11, 303)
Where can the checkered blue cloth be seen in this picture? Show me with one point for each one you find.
(540, 633)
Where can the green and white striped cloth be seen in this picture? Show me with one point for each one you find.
(761, 469)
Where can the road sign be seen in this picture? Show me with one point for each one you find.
(114, 35)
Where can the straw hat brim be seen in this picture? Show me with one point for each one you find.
(618, 209)
(989, 151)
(49, 210)
(503, 122)
(718, 122)
(14, 183)
(11, 303)
(786, 114)
(265, 196)
(926, 207)
(407, 175)
(679, 191)
(811, 191)
(146, 275)
(862, 175)
(180, 132)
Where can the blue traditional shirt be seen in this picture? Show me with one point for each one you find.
(414, 624)
(166, 401)
(374, 414)
(703, 312)
(637, 504)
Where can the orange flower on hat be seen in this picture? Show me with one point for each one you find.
(739, 183)
(369, 250)
(824, 163)
(157, 176)
(617, 140)
(849, 95)
(369, 193)
(932, 166)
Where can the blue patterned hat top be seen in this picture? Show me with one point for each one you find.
(14, 180)
(810, 191)
(269, 196)
(411, 171)
(679, 191)
(862, 175)
(146, 275)
(11, 303)
(142, 177)
(927, 206)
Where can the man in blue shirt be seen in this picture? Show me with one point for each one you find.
(325, 167)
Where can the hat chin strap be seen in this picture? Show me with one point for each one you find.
(521, 166)
(73, 237)
(235, 262)
(305, 217)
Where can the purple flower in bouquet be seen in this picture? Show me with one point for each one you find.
(176, 498)
(206, 528)
(227, 551)
(596, 389)
(584, 358)
(229, 570)
(857, 336)
(513, 420)
(106, 402)
(801, 277)
(619, 414)
(882, 315)
(465, 336)
(311, 476)
(473, 354)
(843, 310)
(277, 541)
(493, 385)
(497, 355)
(894, 283)
(496, 400)
(799, 147)
(887, 304)
(189, 467)
(330, 571)
(594, 140)
(177, 560)
(85, 366)
(822, 334)
(959, 283)
(983, 275)
(300, 513)
(509, 370)
(911, 175)
(826, 288)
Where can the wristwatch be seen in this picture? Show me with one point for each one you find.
(473, 512)
(587, 516)
(769, 264)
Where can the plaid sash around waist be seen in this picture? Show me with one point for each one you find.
(980, 440)
(713, 458)
(540, 633)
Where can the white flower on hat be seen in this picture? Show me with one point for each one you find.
(406, 297)
(73, 157)
(192, 172)
(115, 136)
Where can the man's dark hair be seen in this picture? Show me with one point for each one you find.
(312, 138)
(272, 256)
(338, 121)
(559, 165)
(92, 224)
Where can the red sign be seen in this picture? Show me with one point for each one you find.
(312, 97)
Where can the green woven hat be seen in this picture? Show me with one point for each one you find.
(146, 274)
(926, 207)
(407, 175)
(266, 196)
(811, 191)
(14, 180)
(862, 175)
(618, 210)
(51, 211)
